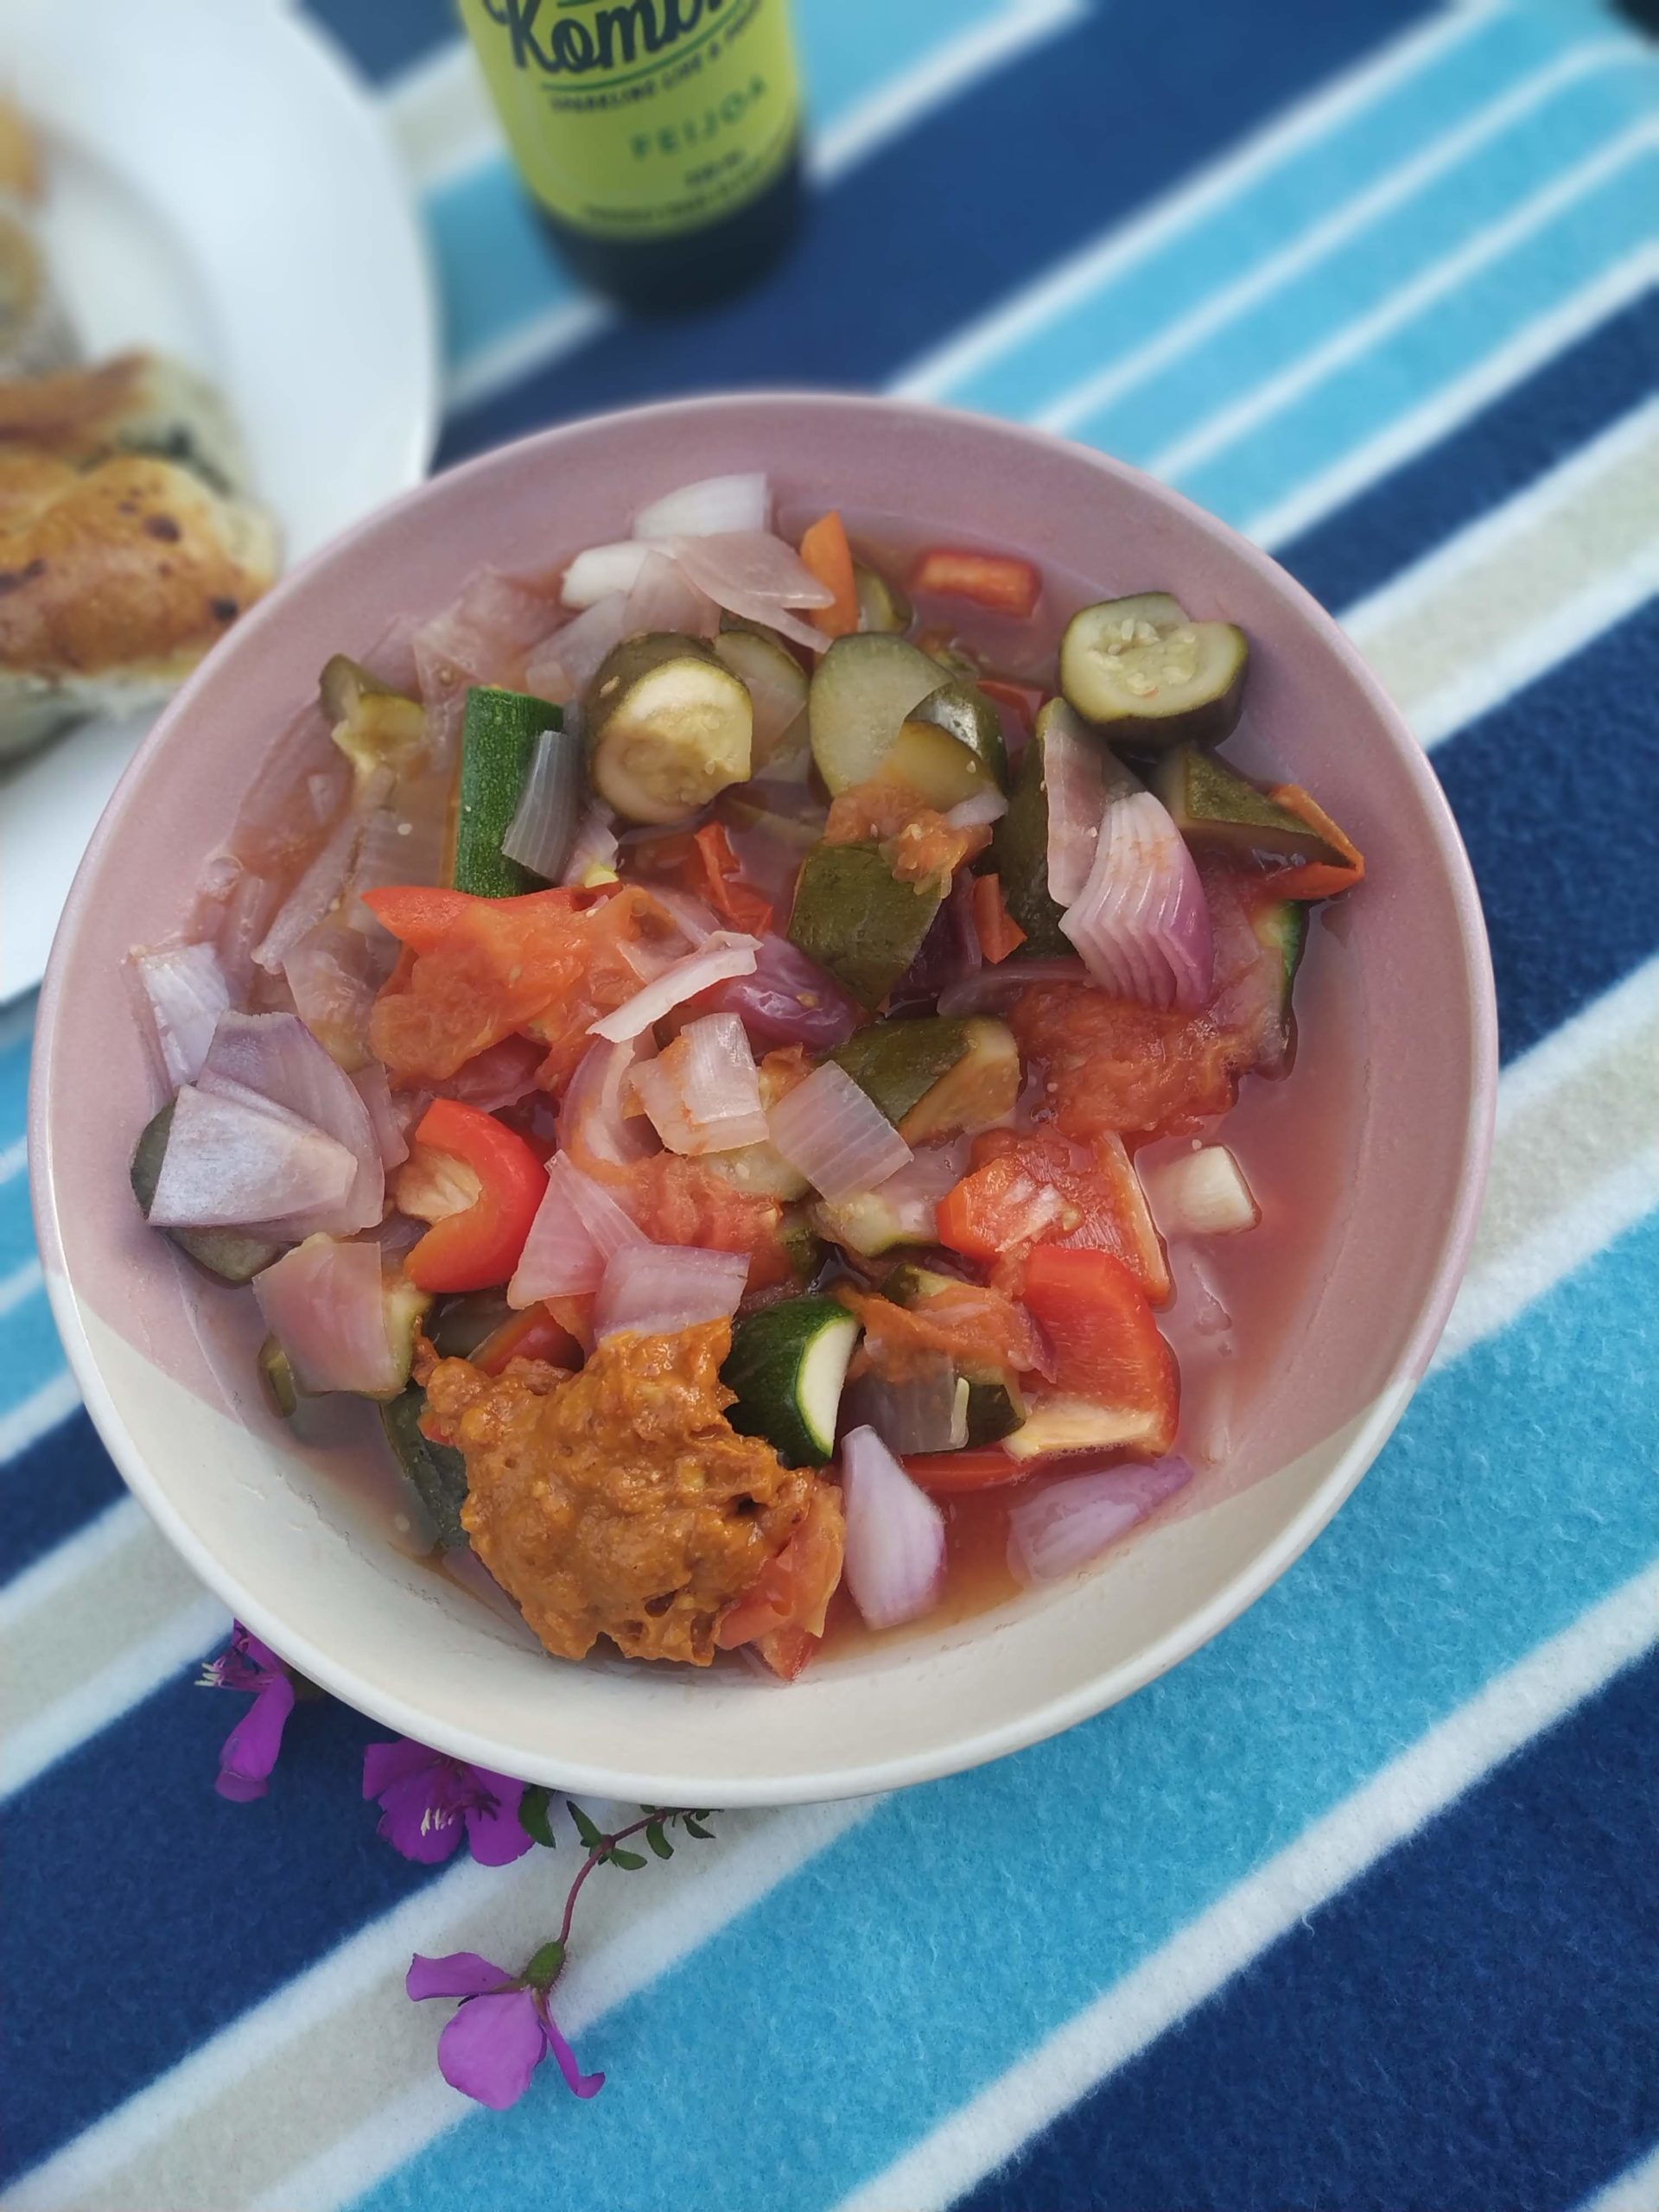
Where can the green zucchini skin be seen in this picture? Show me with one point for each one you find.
(1211, 804)
(437, 1472)
(497, 747)
(855, 918)
(1020, 855)
(896, 1063)
(787, 1365)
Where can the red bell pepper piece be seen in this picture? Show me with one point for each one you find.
(1105, 1342)
(480, 1246)
(997, 580)
(533, 1334)
(999, 934)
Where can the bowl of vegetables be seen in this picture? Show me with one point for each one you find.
(762, 1098)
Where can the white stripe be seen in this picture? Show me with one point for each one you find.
(1389, 191)
(520, 353)
(1230, 423)
(14, 1158)
(442, 116)
(1596, 1030)
(22, 1282)
(1122, 246)
(1528, 351)
(26, 1424)
(1636, 2190)
(104, 1697)
(54, 1578)
(1239, 1926)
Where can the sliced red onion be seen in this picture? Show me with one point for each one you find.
(317, 891)
(830, 1131)
(595, 845)
(334, 976)
(391, 659)
(602, 570)
(391, 1129)
(707, 508)
(484, 637)
(926, 1410)
(895, 1535)
(578, 1227)
(704, 1096)
(658, 1289)
(663, 597)
(325, 1304)
(246, 917)
(232, 1160)
(1141, 922)
(563, 665)
(499, 1075)
(593, 1123)
(979, 812)
(188, 992)
(1075, 784)
(402, 842)
(726, 954)
(696, 922)
(996, 987)
(1074, 1521)
(750, 573)
(789, 999)
(276, 1056)
(542, 832)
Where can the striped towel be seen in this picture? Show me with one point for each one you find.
(1353, 1912)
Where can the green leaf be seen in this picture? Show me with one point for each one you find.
(534, 1807)
(585, 1828)
(658, 1842)
(694, 1827)
(629, 1861)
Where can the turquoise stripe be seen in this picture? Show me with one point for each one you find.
(1448, 338)
(1369, 268)
(33, 1352)
(1019, 1893)
(1128, 310)
(14, 1090)
(496, 269)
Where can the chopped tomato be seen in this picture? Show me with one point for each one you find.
(1317, 878)
(999, 934)
(1105, 1342)
(956, 1474)
(420, 915)
(1039, 1187)
(791, 1594)
(704, 864)
(916, 842)
(998, 581)
(478, 1245)
(826, 552)
(975, 1326)
(533, 1334)
(680, 1201)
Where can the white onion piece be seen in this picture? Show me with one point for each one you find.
(1074, 784)
(913, 1190)
(979, 812)
(188, 992)
(830, 1131)
(755, 575)
(311, 897)
(1200, 1193)
(232, 1160)
(596, 846)
(333, 977)
(276, 1056)
(482, 638)
(1141, 922)
(562, 666)
(926, 1410)
(663, 597)
(703, 510)
(386, 1119)
(696, 921)
(325, 1305)
(578, 1227)
(592, 1122)
(542, 830)
(658, 1289)
(895, 1535)
(996, 986)
(602, 570)
(703, 1094)
(726, 953)
(1072, 1521)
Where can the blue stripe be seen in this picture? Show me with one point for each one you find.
(14, 1088)
(53, 1488)
(1504, 448)
(1556, 792)
(382, 40)
(849, 309)
(916, 1959)
(1474, 2024)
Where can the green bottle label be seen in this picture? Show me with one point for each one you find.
(641, 118)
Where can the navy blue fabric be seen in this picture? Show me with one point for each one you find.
(1610, 370)
(53, 1488)
(1471, 2026)
(1037, 157)
(384, 36)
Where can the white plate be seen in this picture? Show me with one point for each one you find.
(222, 187)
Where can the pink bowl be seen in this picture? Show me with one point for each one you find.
(296, 1540)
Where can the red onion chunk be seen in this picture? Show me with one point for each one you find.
(500, 1075)
(914, 1191)
(188, 992)
(334, 976)
(241, 923)
(313, 896)
(726, 954)
(325, 1304)
(276, 1056)
(484, 637)
(999, 986)
(658, 1289)
(385, 1114)
(949, 955)
(232, 1160)
(594, 1119)
(596, 847)
(895, 1535)
(578, 1228)
(704, 1094)
(707, 508)
(1074, 782)
(1074, 1521)
(925, 1410)
(1142, 921)
(696, 921)
(977, 812)
(402, 842)
(789, 999)
(750, 573)
(840, 1139)
(602, 572)
(562, 666)
(663, 597)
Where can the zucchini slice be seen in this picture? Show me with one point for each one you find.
(934, 1076)
(855, 918)
(1212, 806)
(881, 605)
(1281, 927)
(930, 762)
(497, 746)
(871, 1224)
(668, 726)
(231, 1254)
(1059, 1423)
(435, 1473)
(1149, 678)
(1019, 849)
(776, 683)
(996, 1407)
(787, 1365)
(861, 694)
(961, 710)
(373, 726)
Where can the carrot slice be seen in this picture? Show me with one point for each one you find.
(1317, 878)
(999, 933)
(826, 552)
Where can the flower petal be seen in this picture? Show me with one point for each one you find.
(458, 1973)
(578, 2083)
(419, 1819)
(493, 1827)
(384, 1764)
(491, 2047)
(250, 1750)
(259, 1654)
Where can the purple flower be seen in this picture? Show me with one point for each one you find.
(503, 2027)
(425, 1798)
(251, 1749)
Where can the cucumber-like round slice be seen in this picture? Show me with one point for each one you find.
(929, 761)
(855, 918)
(1153, 679)
(435, 1473)
(1211, 805)
(776, 683)
(861, 693)
(881, 606)
(787, 1365)
(961, 710)
(668, 727)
